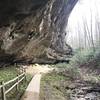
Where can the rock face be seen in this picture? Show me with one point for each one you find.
(33, 30)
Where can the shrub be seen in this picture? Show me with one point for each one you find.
(84, 56)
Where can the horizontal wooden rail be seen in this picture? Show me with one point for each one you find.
(14, 79)
(1, 86)
(17, 80)
(7, 91)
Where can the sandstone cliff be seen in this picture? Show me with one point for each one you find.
(33, 30)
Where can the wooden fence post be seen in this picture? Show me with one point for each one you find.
(25, 78)
(24, 70)
(25, 74)
(3, 91)
(17, 87)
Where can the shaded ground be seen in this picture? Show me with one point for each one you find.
(71, 83)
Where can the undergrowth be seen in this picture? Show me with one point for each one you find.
(65, 76)
(85, 56)
(8, 73)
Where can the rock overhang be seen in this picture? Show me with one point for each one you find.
(33, 30)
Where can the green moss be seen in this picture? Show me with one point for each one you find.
(9, 73)
(52, 83)
(52, 78)
(61, 65)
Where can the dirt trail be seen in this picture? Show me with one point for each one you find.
(34, 69)
(33, 89)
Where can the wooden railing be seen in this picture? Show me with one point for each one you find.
(16, 82)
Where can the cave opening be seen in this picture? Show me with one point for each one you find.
(83, 30)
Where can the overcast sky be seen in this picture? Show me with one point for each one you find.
(83, 10)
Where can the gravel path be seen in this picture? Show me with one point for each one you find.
(33, 89)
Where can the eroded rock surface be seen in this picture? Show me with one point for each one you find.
(33, 30)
